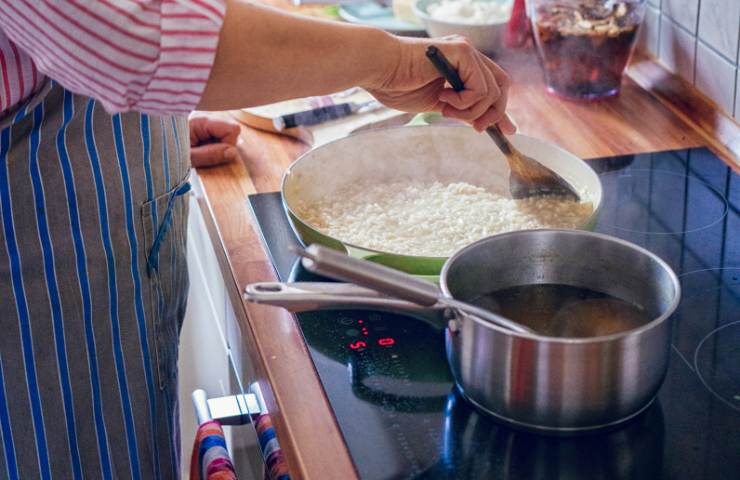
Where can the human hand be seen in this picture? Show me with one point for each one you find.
(212, 142)
(414, 85)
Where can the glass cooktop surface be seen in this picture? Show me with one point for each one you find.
(387, 379)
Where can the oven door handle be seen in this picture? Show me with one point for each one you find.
(242, 409)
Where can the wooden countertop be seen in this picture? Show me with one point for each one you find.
(635, 122)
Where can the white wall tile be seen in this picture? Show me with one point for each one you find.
(698, 40)
(650, 31)
(677, 49)
(683, 12)
(719, 22)
(715, 77)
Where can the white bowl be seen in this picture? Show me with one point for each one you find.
(486, 37)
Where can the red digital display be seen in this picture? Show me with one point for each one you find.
(359, 344)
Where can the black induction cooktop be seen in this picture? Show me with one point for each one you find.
(388, 383)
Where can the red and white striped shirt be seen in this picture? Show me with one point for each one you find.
(152, 56)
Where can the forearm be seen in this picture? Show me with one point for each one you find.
(265, 55)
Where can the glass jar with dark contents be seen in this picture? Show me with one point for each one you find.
(584, 45)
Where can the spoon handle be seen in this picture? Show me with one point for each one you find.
(445, 68)
(501, 141)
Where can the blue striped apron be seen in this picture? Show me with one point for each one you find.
(93, 284)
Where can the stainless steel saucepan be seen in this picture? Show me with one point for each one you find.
(545, 383)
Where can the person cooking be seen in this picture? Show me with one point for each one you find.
(94, 162)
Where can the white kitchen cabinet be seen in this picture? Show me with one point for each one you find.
(204, 360)
(247, 456)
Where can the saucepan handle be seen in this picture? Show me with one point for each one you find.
(331, 263)
(305, 296)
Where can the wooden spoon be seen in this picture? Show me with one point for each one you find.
(528, 178)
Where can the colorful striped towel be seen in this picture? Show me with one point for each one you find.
(276, 467)
(210, 459)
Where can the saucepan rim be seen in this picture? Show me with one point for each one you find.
(569, 340)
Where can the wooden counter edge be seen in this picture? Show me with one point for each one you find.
(334, 461)
(720, 131)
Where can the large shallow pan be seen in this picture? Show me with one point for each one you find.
(539, 382)
(423, 153)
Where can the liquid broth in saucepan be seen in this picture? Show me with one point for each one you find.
(564, 311)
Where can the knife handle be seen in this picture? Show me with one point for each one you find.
(314, 116)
